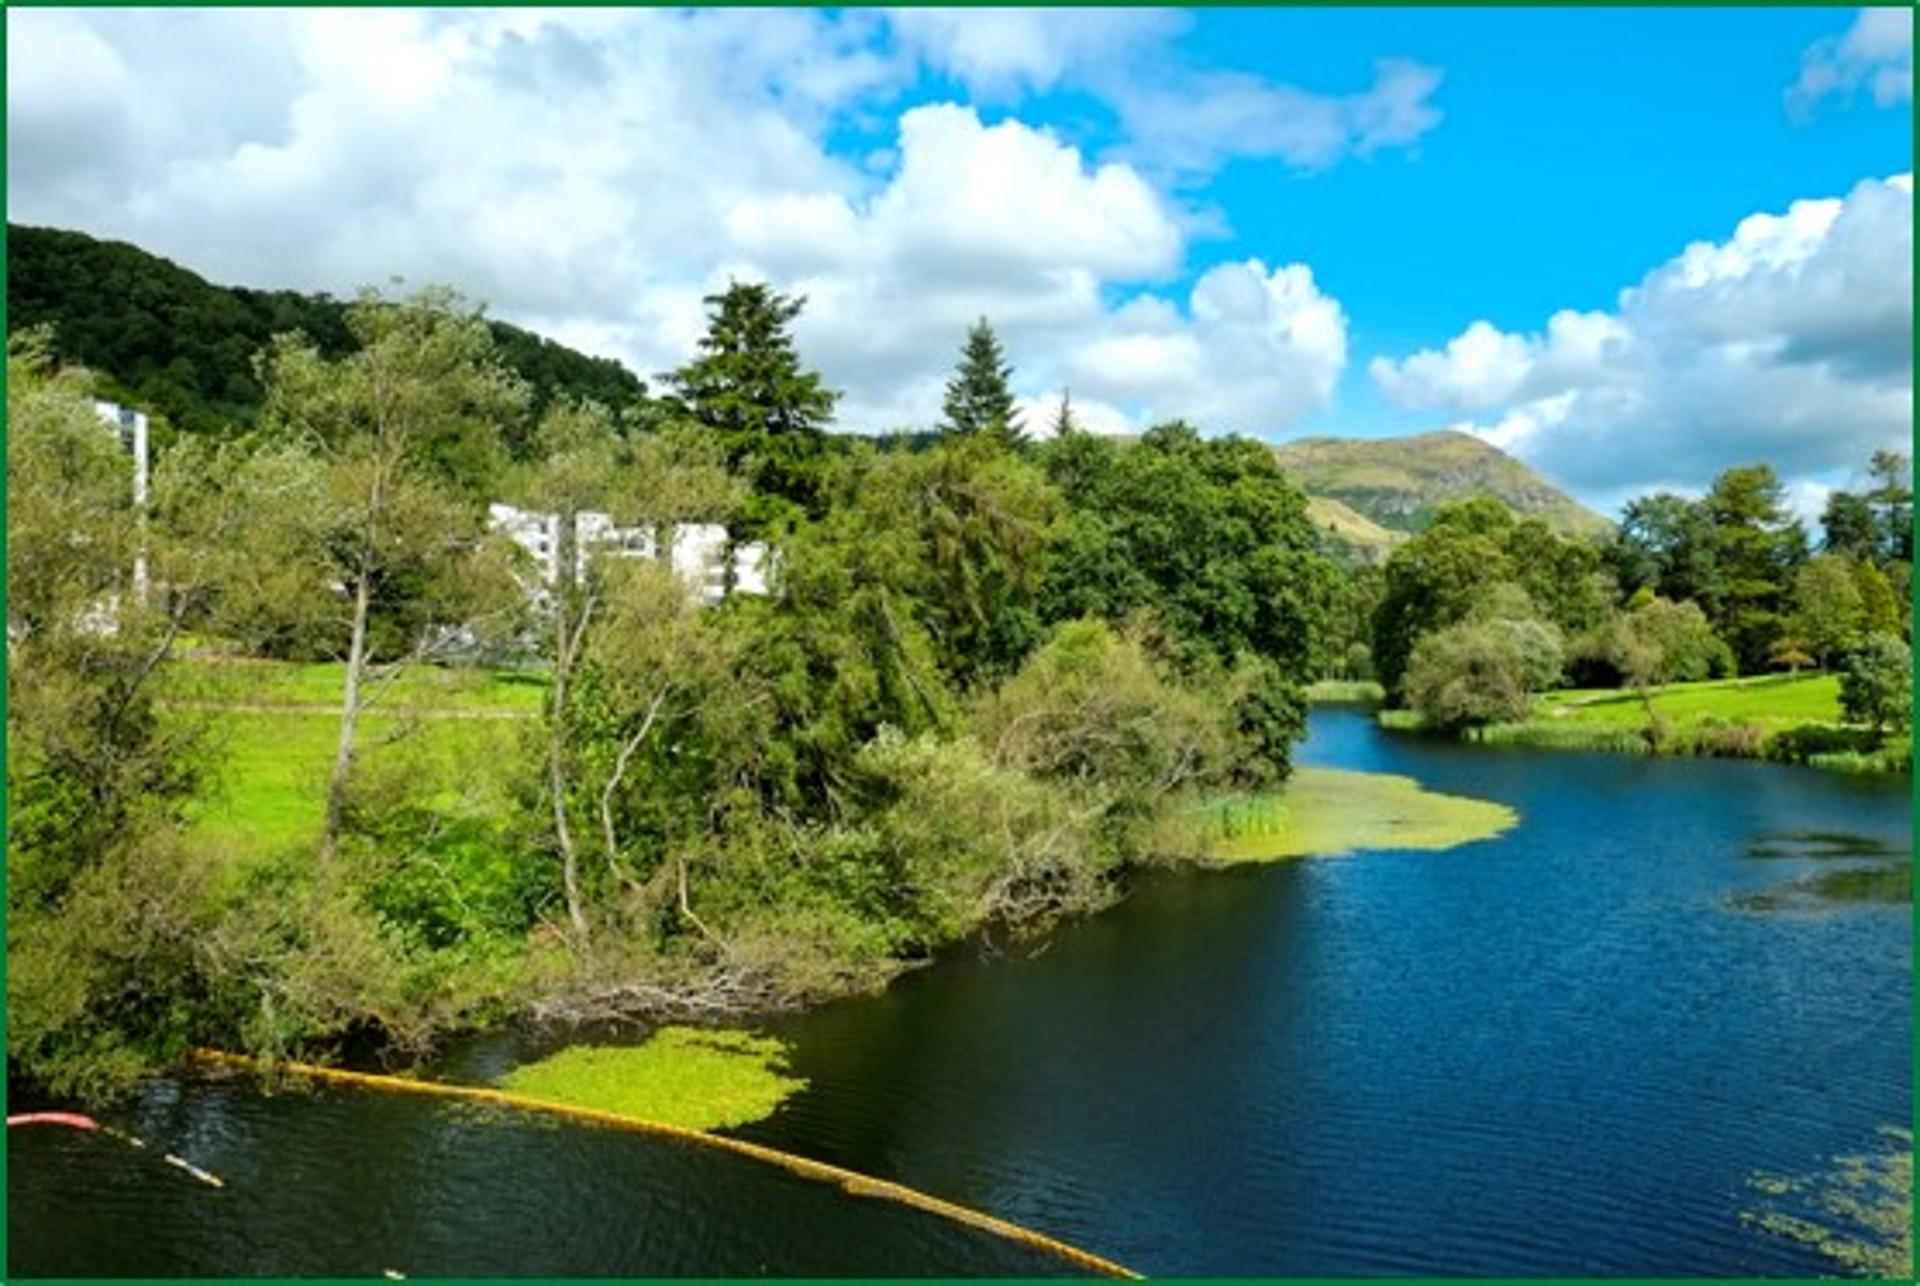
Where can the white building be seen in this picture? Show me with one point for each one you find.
(699, 553)
(131, 427)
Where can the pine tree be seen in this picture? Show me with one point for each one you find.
(1064, 425)
(979, 400)
(747, 385)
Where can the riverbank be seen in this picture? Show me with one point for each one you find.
(1789, 719)
(456, 739)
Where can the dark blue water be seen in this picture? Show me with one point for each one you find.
(1557, 1052)
(1562, 1051)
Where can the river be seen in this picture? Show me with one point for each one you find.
(1566, 1050)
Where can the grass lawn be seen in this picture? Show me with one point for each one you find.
(455, 729)
(319, 683)
(1770, 700)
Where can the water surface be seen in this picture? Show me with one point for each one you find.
(1560, 1051)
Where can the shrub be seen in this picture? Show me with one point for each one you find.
(1877, 685)
(1482, 672)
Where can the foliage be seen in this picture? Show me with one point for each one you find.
(1483, 671)
(1205, 535)
(979, 400)
(1877, 685)
(91, 769)
(747, 386)
(1829, 613)
(1654, 643)
(1445, 575)
(976, 524)
(166, 340)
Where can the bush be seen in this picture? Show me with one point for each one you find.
(1482, 672)
(1877, 686)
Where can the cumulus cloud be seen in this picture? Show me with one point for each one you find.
(593, 174)
(1790, 341)
(1874, 54)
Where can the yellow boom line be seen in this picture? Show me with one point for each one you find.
(849, 1181)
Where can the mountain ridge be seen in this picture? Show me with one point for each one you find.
(1370, 494)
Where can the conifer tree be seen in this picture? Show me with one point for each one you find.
(748, 387)
(979, 400)
(1064, 425)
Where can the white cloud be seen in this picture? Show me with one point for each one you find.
(1195, 123)
(999, 54)
(1176, 119)
(593, 174)
(1874, 54)
(1790, 341)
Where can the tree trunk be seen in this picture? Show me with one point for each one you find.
(564, 645)
(349, 716)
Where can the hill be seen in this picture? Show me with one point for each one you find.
(1370, 493)
(165, 338)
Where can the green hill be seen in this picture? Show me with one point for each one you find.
(165, 338)
(1372, 492)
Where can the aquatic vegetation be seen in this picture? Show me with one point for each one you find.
(696, 1077)
(1858, 1214)
(1821, 845)
(1866, 870)
(1323, 811)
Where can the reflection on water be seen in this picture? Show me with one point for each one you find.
(1560, 1051)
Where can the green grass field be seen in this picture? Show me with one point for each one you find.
(1771, 700)
(272, 729)
(283, 683)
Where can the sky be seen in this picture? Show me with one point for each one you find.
(1633, 247)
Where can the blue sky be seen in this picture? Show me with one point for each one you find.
(1267, 221)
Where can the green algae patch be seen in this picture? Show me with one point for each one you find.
(1324, 811)
(695, 1077)
(1859, 1214)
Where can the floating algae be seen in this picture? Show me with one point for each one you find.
(1859, 1214)
(1857, 869)
(1819, 846)
(1323, 811)
(1886, 883)
(696, 1077)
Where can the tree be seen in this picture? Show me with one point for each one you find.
(979, 399)
(1064, 425)
(1436, 579)
(981, 522)
(1482, 671)
(1850, 527)
(747, 385)
(658, 478)
(1829, 615)
(1892, 501)
(1665, 544)
(1879, 605)
(1757, 546)
(397, 427)
(1877, 686)
(91, 766)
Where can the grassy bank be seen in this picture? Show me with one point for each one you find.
(1346, 692)
(1780, 718)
